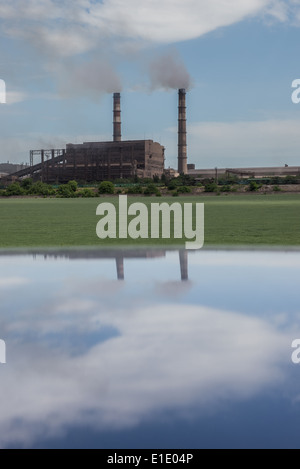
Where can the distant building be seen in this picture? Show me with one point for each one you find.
(171, 173)
(114, 160)
(247, 172)
(98, 161)
(9, 168)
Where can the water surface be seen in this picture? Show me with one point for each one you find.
(149, 349)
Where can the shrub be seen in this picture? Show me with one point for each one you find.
(40, 188)
(277, 189)
(27, 183)
(135, 189)
(106, 187)
(73, 186)
(151, 189)
(226, 188)
(14, 189)
(276, 180)
(185, 180)
(290, 180)
(253, 186)
(175, 194)
(64, 191)
(172, 186)
(184, 190)
(86, 193)
(163, 179)
(211, 187)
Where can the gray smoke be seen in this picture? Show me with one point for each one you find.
(91, 78)
(169, 72)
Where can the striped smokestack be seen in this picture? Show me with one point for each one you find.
(182, 143)
(117, 117)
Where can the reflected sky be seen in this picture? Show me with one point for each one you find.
(149, 349)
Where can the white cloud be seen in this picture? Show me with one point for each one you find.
(278, 9)
(284, 10)
(114, 28)
(67, 28)
(173, 20)
(162, 359)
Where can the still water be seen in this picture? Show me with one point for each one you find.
(149, 349)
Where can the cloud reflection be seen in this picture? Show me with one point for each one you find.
(167, 357)
(148, 354)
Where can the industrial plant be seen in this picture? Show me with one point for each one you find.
(127, 159)
(99, 161)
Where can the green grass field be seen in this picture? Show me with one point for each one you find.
(229, 220)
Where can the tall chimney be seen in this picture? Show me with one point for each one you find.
(183, 257)
(117, 117)
(120, 267)
(182, 144)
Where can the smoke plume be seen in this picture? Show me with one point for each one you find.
(169, 72)
(89, 78)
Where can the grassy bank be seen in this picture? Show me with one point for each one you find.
(229, 220)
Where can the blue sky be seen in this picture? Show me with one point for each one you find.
(61, 61)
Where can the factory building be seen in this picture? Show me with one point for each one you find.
(99, 161)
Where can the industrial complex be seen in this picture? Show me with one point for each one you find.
(99, 161)
(123, 159)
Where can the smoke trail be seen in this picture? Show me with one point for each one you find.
(89, 78)
(169, 72)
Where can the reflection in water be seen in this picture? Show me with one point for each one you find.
(120, 267)
(183, 257)
(118, 254)
(87, 351)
